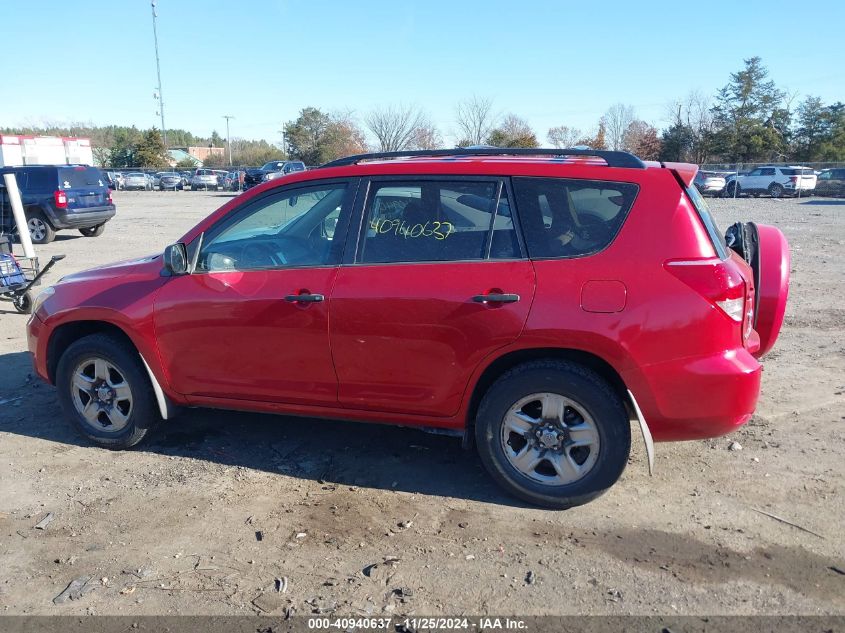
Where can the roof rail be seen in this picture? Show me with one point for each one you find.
(612, 158)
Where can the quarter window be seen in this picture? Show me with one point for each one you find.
(570, 218)
(430, 221)
(296, 227)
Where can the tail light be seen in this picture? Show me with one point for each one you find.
(793, 179)
(718, 282)
(61, 199)
(110, 200)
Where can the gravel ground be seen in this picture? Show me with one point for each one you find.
(205, 517)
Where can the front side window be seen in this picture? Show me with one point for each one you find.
(432, 221)
(296, 227)
(571, 218)
(767, 171)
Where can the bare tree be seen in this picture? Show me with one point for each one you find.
(617, 119)
(641, 139)
(426, 136)
(475, 120)
(693, 115)
(395, 126)
(563, 136)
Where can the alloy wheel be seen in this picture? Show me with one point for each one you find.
(37, 229)
(101, 395)
(550, 439)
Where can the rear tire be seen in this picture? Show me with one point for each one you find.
(561, 455)
(105, 391)
(776, 191)
(93, 231)
(40, 229)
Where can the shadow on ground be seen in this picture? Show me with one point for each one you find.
(337, 452)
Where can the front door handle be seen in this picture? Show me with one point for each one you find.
(496, 298)
(304, 298)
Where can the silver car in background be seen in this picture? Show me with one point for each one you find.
(709, 183)
(137, 180)
(204, 179)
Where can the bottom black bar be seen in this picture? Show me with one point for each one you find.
(422, 624)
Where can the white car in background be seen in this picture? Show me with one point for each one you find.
(774, 180)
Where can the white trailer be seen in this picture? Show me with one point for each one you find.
(17, 150)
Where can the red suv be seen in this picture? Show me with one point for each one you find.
(536, 301)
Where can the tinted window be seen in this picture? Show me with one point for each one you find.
(797, 172)
(768, 171)
(38, 179)
(436, 221)
(294, 167)
(80, 177)
(295, 227)
(569, 218)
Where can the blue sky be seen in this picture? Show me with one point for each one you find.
(551, 62)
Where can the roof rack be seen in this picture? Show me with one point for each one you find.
(613, 159)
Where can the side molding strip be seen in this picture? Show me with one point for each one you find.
(160, 397)
(649, 442)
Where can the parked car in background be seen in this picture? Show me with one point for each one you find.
(137, 180)
(221, 177)
(58, 197)
(108, 179)
(774, 180)
(204, 179)
(709, 183)
(117, 177)
(529, 300)
(270, 171)
(168, 180)
(831, 182)
(186, 178)
(234, 181)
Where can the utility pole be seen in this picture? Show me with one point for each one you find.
(284, 149)
(158, 74)
(228, 138)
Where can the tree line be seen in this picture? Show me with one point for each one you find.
(749, 120)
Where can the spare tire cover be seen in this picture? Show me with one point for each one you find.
(772, 271)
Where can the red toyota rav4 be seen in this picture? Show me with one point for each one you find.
(538, 301)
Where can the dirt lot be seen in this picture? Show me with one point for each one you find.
(174, 526)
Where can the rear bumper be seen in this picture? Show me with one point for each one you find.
(80, 219)
(697, 398)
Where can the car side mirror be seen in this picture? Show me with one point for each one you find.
(176, 259)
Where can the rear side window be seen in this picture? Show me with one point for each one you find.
(37, 179)
(571, 218)
(716, 236)
(434, 221)
(80, 177)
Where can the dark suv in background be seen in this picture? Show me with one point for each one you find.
(270, 171)
(57, 197)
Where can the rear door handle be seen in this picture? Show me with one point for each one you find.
(304, 298)
(496, 298)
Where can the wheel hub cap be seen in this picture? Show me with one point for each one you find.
(550, 439)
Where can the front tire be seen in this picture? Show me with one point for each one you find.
(105, 391)
(553, 433)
